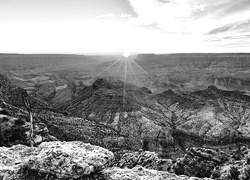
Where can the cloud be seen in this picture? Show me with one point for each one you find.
(185, 14)
(221, 29)
(125, 15)
(237, 26)
(200, 21)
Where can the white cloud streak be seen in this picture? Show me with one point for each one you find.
(195, 21)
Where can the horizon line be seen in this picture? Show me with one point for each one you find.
(120, 53)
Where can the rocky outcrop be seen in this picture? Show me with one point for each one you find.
(200, 162)
(197, 163)
(54, 160)
(237, 168)
(78, 160)
(10, 92)
(145, 159)
(15, 130)
(14, 95)
(72, 160)
(140, 173)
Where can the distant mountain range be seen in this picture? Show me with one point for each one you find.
(57, 78)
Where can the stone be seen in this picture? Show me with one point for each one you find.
(145, 159)
(141, 173)
(200, 162)
(60, 160)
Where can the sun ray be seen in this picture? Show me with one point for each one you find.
(119, 70)
(104, 70)
(131, 73)
(134, 74)
(125, 81)
(143, 70)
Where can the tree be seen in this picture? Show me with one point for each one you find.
(28, 107)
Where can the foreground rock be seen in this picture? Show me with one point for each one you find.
(200, 162)
(237, 168)
(145, 159)
(55, 160)
(140, 173)
(70, 160)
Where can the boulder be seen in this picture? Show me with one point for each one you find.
(200, 162)
(140, 173)
(54, 160)
(237, 168)
(145, 159)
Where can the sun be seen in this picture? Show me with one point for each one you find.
(126, 54)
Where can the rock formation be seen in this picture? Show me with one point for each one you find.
(145, 159)
(53, 160)
(215, 164)
(71, 160)
(15, 130)
(199, 162)
(140, 173)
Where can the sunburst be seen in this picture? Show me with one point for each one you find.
(126, 54)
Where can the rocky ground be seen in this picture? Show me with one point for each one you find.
(71, 160)
(140, 173)
(78, 160)
(202, 162)
(16, 130)
(147, 159)
(54, 160)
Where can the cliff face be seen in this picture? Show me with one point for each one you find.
(49, 123)
(166, 120)
(14, 95)
(14, 119)
(10, 92)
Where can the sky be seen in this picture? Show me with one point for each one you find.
(124, 26)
